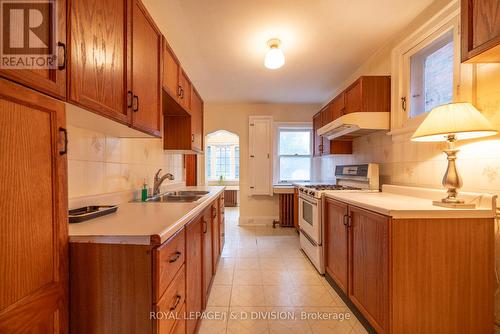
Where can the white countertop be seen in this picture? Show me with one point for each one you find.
(142, 223)
(406, 203)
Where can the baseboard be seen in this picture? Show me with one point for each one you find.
(257, 220)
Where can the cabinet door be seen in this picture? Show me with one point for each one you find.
(369, 266)
(337, 106)
(336, 242)
(317, 140)
(48, 81)
(33, 219)
(194, 270)
(98, 52)
(353, 101)
(222, 223)
(196, 121)
(146, 47)
(480, 31)
(185, 98)
(170, 72)
(215, 235)
(207, 253)
(326, 114)
(260, 141)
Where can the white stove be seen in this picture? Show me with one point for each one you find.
(351, 178)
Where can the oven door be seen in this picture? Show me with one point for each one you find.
(309, 217)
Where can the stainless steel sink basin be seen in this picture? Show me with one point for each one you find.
(182, 196)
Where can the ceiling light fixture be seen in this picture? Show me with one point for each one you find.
(274, 57)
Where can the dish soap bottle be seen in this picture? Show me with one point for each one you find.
(144, 191)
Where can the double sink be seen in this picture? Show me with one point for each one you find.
(181, 196)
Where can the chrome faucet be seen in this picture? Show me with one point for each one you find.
(159, 180)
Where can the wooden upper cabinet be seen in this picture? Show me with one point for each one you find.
(369, 266)
(480, 31)
(48, 81)
(33, 224)
(196, 121)
(194, 271)
(369, 94)
(337, 106)
(317, 140)
(326, 114)
(171, 67)
(185, 90)
(98, 57)
(146, 60)
(336, 242)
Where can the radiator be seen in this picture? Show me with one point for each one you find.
(286, 210)
(230, 198)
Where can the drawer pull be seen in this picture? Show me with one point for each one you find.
(177, 301)
(205, 226)
(175, 257)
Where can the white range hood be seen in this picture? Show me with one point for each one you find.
(355, 125)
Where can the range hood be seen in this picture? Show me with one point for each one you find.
(355, 125)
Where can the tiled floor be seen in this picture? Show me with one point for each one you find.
(265, 284)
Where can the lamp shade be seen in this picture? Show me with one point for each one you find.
(460, 119)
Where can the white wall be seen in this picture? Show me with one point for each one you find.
(233, 117)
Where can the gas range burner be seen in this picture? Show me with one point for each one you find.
(330, 187)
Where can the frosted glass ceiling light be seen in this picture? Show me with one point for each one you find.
(274, 57)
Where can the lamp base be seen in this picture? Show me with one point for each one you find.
(454, 205)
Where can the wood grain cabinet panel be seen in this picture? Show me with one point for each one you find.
(369, 94)
(172, 303)
(170, 256)
(33, 224)
(98, 57)
(185, 98)
(48, 81)
(480, 31)
(194, 272)
(369, 266)
(171, 68)
(146, 70)
(222, 223)
(215, 235)
(207, 253)
(336, 242)
(196, 121)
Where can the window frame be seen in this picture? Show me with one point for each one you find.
(213, 161)
(444, 21)
(292, 128)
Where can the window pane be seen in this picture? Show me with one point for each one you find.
(236, 162)
(431, 75)
(295, 142)
(295, 168)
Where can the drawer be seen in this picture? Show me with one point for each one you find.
(171, 303)
(180, 324)
(170, 257)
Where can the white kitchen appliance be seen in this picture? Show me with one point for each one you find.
(352, 178)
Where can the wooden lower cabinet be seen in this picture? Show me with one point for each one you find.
(194, 270)
(215, 235)
(336, 242)
(428, 276)
(369, 266)
(222, 221)
(207, 253)
(122, 288)
(33, 212)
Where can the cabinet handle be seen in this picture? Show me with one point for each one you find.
(403, 103)
(205, 226)
(214, 212)
(192, 137)
(62, 66)
(129, 99)
(182, 92)
(175, 257)
(65, 148)
(177, 301)
(345, 220)
(179, 88)
(136, 105)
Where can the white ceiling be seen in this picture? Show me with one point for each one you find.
(222, 43)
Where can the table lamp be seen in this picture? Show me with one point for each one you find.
(452, 122)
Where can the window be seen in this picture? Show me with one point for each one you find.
(294, 154)
(431, 75)
(222, 156)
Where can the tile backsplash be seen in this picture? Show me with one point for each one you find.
(103, 164)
